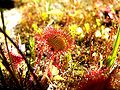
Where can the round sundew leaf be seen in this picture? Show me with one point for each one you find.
(16, 59)
(93, 80)
(56, 42)
(56, 39)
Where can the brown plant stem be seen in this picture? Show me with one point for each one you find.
(6, 64)
(4, 29)
(28, 64)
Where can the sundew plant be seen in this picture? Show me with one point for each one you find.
(60, 45)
